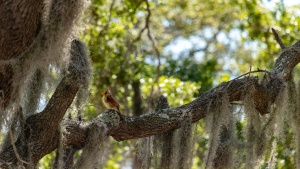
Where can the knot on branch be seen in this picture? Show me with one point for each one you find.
(74, 133)
(110, 117)
(288, 59)
(264, 95)
(297, 44)
(162, 103)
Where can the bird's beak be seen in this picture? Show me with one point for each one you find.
(104, 93)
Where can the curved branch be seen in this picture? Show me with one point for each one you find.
(288, 59)
(169, 119)
(41, 135)
(278, 40)
(68, 87)
(264, 93)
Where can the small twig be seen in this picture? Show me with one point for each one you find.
(109, 19)
(140, 33)
(13, 143)
(147, 26)
(154, 46)
(250, 69)
(254, 71)
(158, 58)
(147, 23)
(278, 40)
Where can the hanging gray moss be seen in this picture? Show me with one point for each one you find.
(219, 123)
(93, 154)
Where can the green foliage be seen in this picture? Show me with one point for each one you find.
(117, 155)
(47, 161)
(190, 70)
(172, 88)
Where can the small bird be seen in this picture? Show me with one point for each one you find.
(110, 102)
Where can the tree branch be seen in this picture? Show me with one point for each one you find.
(42, 129)
(278, 40)
(286, 62)
(169, 119)
(147, 23)
(68, 87)
(264, 94)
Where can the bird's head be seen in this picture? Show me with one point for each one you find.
(107, 92)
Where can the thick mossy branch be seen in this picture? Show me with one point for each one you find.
(264, 93)
(42, 129)
(288, 59)
(169, 119)
(68, 87)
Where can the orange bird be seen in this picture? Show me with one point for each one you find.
(110, 102)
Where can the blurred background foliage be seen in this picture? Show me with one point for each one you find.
(178, 48)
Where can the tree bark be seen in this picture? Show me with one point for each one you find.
(19, 25)
(41, 132)
(265, 93)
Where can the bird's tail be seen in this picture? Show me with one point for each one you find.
(119, 112)
(118, 109)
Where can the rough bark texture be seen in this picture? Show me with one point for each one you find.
(169, 119)
(22, 21)
(6, 74)
(41, 132)
(19, 25)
